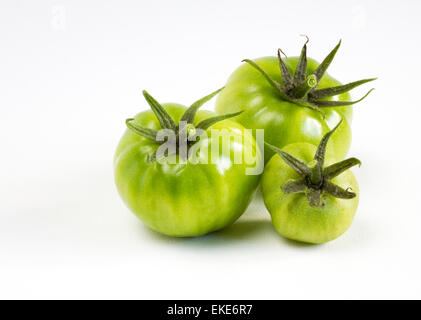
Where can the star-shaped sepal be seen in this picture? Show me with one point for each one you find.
(314, 177)
(185, 128)
(302, 89)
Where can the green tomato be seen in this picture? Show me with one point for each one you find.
(292, 215)
(305, 211)
(186, 198)
(285, 115)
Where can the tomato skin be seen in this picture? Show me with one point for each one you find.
(183, 200)
(284, 122)
(291, 214)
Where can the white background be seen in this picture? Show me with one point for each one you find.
(72, 71)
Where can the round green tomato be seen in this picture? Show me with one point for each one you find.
(283, 122)
(291, 214)
(187, 199)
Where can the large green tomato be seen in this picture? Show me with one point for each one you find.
(285, 118)
(186, 199)
(305, 211)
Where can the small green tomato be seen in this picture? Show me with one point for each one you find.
(310, 202)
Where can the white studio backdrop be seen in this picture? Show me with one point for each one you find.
(71, 72)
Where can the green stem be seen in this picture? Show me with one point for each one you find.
(301, 91)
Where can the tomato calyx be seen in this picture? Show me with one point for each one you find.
(184, 132)
(315, 178)
(302, 89)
